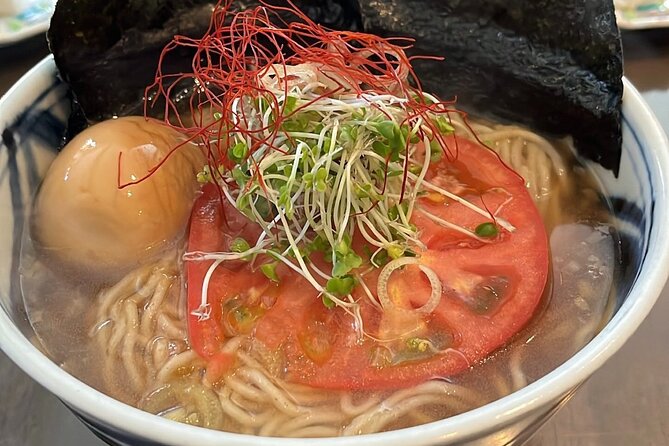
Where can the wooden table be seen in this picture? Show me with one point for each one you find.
(624, 403)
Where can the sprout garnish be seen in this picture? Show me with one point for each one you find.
(335, 167)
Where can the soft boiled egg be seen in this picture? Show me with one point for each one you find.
(117, 194)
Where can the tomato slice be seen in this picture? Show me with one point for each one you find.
(491, 288)
(212, 231)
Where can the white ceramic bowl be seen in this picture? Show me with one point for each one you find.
(32, 116)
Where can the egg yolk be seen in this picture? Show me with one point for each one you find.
(83, 218)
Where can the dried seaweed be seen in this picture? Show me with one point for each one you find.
(555, 66)
(108, 50)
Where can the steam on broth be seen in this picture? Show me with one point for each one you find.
(356, 261)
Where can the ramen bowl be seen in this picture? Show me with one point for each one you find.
(33, 115)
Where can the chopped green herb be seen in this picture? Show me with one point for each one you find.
(436, 152)
(418, 344)
(487, 229)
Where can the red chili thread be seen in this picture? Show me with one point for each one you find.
(239, 47)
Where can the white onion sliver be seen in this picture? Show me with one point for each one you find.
(384, 276)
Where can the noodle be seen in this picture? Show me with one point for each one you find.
(535, 158)
(131, 322)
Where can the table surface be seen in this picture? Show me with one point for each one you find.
(625, 403)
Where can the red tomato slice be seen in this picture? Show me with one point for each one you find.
(491, 288)
(211, 232)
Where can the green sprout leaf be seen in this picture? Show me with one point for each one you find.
(367, 191)
(319, 244)
(329, 303)
(348, 133)
(444, 127)
(269, 270)
(204, 176)
(380, 259)
(239, 176)
(381, 148)
(395, 251)
(344, 246)
(387, 129)
(289, 105)
(239, 245)
(340, 286)
(343, 265)
(238, 152)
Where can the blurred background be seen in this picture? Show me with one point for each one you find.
(624, 403)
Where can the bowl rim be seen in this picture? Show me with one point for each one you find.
(95, 405)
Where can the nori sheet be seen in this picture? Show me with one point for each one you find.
(108, 50)
(554, 66)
